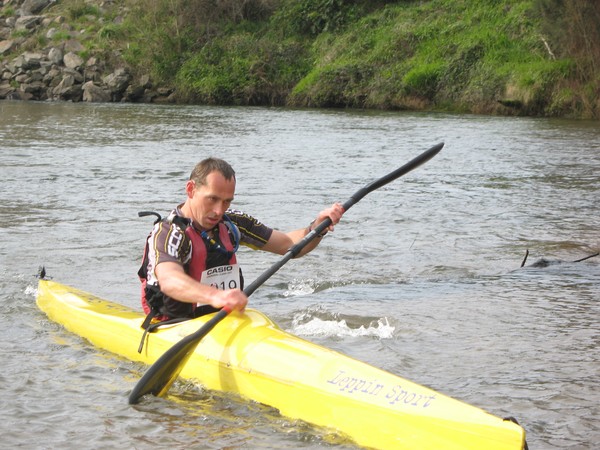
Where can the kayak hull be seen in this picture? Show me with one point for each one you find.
(250, 355)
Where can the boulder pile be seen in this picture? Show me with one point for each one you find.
(58, 72)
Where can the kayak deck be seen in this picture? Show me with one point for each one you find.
(250, 355)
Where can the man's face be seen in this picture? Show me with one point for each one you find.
(210, 201)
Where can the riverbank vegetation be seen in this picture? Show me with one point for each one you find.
(524, 57)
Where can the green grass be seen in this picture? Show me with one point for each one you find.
(490, 56)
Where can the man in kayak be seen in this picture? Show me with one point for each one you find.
(190, 267)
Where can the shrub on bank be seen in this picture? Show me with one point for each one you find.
(535, 57)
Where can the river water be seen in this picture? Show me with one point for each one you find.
(422, 277)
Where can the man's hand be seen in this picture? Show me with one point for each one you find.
(230, 300)
(334, 212)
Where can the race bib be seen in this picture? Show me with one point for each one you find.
(222, 277)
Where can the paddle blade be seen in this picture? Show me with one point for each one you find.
(161, 375)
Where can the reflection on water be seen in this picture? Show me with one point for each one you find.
(422, 277)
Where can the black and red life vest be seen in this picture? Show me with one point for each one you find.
(207, 253)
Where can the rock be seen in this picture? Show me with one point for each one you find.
(27, 22)
(72, 61)
(164, 91)
(28, 61)
(133, 93)
(5, 90)
(5, 32)
(145, 81)
(36, 89)
(38, 75)
(19, 95)
(51, 32)
(6, 46)
(91, 62)
(67, 89)
(74, 46)
(10, 68)
(55, 55)
(93, 70)
(22, 78)
(117, 82)
(94, 93)
(34, 6)
(76, 74)
(52, 78)
(58, 72)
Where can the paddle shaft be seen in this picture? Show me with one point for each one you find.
(297, 248)
(165, 370)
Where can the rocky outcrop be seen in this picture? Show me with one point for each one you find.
(58, 72)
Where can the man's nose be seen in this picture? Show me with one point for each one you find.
(220, 208)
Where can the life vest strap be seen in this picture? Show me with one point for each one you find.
(150, 327)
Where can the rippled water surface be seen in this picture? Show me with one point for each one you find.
(422, 277)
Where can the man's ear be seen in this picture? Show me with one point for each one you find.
(189, 188)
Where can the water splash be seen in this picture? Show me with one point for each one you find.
(321, 323)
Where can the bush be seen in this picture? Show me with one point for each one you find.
(312, 17)
(242, 70)
(422, 81)
(572, 30)
(81, 9)
(333, 87)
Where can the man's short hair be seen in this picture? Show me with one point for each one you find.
(209, 165)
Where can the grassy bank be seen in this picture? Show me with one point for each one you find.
(528, 57)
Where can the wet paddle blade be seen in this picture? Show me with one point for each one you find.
(159, 378)
(163, 373)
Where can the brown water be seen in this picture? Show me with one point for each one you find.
(421, 277)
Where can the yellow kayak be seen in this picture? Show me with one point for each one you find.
(251, 356)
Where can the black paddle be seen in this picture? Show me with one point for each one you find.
(165, 370)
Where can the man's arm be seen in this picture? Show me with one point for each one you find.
(175, 283)
(280, 242)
